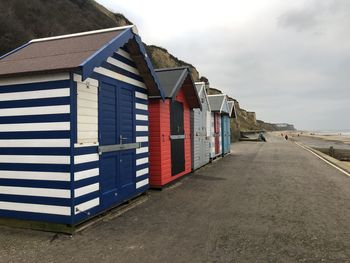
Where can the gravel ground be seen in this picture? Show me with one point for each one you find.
(266, 202)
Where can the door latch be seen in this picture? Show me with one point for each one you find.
(121, 138)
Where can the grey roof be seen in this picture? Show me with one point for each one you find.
(171, 79)
(81, 52)
(216, 102)
(55, 53)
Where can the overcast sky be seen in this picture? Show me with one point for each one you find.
(287, 60)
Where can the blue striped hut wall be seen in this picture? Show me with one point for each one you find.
(35, 152)
(49, 161)
(120, 68)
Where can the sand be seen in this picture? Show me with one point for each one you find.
(328, 137)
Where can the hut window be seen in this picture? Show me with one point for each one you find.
(87, 112)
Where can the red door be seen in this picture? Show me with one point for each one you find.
(217, 132)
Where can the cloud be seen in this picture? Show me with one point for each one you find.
(287, 60)
(299, 19)
(317, 16)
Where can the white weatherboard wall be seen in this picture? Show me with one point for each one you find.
(35, 147)
(86, 157)
(200, 142)
(87, 110)
(209, 120)
(212, 142)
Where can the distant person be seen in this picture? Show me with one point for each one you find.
(262, 137)
(286, 137)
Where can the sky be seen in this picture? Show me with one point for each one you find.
(289, 61)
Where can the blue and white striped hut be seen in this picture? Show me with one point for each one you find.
(74, 125)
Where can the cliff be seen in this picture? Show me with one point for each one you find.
(246, 120)
(22, 21)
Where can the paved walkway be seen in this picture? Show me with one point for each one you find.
(267, 202)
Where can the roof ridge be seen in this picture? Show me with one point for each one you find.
(84, 33)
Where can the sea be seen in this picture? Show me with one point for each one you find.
(333, 132)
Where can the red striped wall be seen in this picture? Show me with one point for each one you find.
(159, 140)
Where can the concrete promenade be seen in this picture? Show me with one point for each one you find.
(266, 202)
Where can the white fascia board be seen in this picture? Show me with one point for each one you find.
(206, 97)
(85, 33)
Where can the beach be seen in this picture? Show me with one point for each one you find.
(322, 142)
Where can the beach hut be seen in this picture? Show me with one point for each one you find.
(226, 127)
(218, 125)
(170, 131)
(74, 125)
(199, 132)
(232, 114)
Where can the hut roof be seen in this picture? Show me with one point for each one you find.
(172, 79)
(200, 86)
(218, 103)
(82, 52)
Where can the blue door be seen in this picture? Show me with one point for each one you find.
(225, 134)
(116, 126)
(223, 127)
(228, 134)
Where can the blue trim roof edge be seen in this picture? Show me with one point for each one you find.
(104, 52)
(150, 66)
(109, 48)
